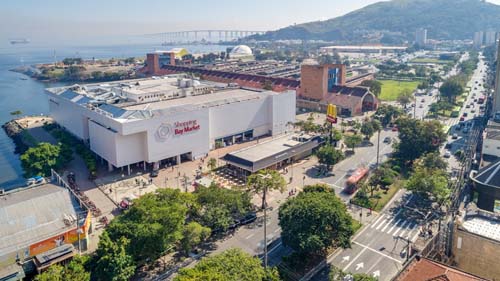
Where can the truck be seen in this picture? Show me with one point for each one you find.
(352, 183)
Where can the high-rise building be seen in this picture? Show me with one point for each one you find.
(490, 37)
(421, 37)
(478, 39)
(496, 96)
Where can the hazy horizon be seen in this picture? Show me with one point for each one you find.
(93, 21)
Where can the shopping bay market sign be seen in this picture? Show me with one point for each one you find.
(166, 130)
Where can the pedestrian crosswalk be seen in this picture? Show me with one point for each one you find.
(396, 226)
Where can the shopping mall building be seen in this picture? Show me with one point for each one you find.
(167, 120)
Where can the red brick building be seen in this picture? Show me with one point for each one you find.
(324, 84)
(423, 269)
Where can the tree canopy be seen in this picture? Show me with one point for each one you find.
(232, 264)
(329, 156)
(451, 88)
(44, 156)
(352, 140)
(405, 97)
(74, 270)
(314, 221)
(374, 85)
(417, 138)
(153, 224)
(387, 113)
(219, 207)
(113, 263)
(266, 180)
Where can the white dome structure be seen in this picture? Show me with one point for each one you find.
(241, 50)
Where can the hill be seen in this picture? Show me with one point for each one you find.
(395, 21)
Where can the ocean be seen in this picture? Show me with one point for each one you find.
(16, 93)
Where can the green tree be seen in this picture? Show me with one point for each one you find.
(352, 141)
(193, 234)
(219, 207)
(44, 156)
(417, 138)
(431, 160)
(367, 130)
(381, 177)
(387, 113)
(374, 85)
(264, 181)
(315, 221)
(329, 156)
(451, 88)
(232, 264)
(74, 270)
(429, 183)
(16, 113)
(153, 224)
(405, 97)
(113, 262)
(320, 187)
(212, 164)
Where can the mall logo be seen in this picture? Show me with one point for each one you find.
(166, 130)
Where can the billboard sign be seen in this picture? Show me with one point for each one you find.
(331, 113)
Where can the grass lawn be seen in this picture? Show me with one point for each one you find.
(392, 88)
(379, 203)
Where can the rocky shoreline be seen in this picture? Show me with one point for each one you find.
(14, 131)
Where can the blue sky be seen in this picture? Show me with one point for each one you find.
(58, 20)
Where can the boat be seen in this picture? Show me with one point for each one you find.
(19, 41)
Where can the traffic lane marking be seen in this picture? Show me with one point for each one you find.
(375, 251)
(355, 258)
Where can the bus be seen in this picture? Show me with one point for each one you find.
(480, 100)
(352, 182)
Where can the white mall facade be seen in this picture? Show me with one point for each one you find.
(166, 120)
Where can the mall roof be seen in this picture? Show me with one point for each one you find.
(121, 100)
(33, 214)
(201, 101)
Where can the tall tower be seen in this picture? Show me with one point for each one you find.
(421, 37)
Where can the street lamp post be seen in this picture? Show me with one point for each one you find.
(378, 147)
(265, 220)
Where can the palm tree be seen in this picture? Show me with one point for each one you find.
(265, 180)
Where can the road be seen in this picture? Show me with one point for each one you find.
(379, 248)
(251, 237)
(376, 250)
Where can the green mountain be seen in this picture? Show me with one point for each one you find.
(397, 20)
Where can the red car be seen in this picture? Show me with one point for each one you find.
(462, 118)
(395, 129)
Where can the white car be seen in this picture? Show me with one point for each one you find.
(447, 154)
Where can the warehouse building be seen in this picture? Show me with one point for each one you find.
(41, 225)
(167, 120)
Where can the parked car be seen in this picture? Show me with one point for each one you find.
(387, 140)
(454, 136)
(395, 129)
(462, 119)
(473, 111)
(465, 114)
(447, 154)
(467, 106)
(153, 173)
